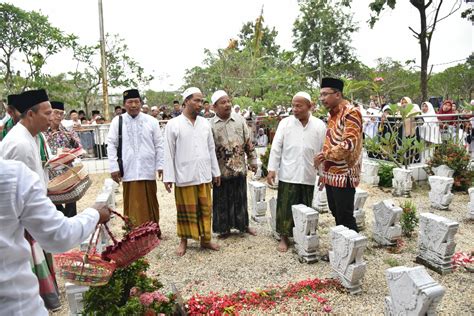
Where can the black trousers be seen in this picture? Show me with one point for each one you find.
(69, 210)
(341, 204)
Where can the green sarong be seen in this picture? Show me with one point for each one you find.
(290, 194)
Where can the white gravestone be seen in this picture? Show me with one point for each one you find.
(359, 201)
(370, 171)
(305, 232)
(74, 294)
(443, 171)
(346, 257)
(436, 244)
(470, 205)
(257, 197)
(440, 194)
(387, 229)
(320, 199)
(412, 292)
(273, 208)
(401, 182)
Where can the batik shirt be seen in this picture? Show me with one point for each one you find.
(232, 140)
(62, 138)
(343, 146)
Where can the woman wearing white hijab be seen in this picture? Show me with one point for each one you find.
(429, 131)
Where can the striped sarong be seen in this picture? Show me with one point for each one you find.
(290, 194)
(43, 268)
(140, 203)
(194, 206)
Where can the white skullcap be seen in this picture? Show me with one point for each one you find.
(145, 106)
(154, 108)
(236, 106)
(217, 95)
(304, 95)
(190, 91)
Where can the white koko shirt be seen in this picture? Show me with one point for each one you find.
(294, 147)
(190, 155)
(24, 205)
(20, 145)
(142, 147)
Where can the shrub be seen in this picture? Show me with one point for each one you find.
(456, 157)
(129, 292)
(386, 174)
(408, 220)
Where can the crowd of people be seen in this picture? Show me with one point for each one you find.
(202, 154)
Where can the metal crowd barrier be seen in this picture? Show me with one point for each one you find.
(432, 130)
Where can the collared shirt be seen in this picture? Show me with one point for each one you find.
(24, 205)
(20, 145)
(142, 147)
(190, 157)
(343, 147)
(62, 138)
(294, 148)
(232, 141)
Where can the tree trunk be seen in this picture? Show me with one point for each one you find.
(425, 53)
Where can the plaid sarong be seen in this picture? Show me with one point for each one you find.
(43, 268)
(194, 205)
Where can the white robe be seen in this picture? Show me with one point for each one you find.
(190, 155)
(293, 150)
(24, 205)
(20, 145)
(142, 147)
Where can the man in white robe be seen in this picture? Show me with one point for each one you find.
(298, 139)
(24, 205)
(191, 165)
(22, 143)
(142, 156)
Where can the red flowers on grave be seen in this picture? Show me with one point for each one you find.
(215, 304)
(463, 259)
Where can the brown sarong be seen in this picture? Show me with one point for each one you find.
(140, 203)
(194, 206)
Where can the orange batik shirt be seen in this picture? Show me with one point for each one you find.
(342, 146)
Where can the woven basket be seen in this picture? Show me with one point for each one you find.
(67, 179)
(66, 158)
(85, 268)
(73, 194)
(134, 245)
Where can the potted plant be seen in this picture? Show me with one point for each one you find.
(394, 146)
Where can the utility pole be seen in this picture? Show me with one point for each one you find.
(321, 59)
(105, 93)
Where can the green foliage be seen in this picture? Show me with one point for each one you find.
(390, 146)
(27, 41)
(115, 297)
(264, 158)
(454, 83)
(157, 98)
(122, 70)
(456, 157)
(385, 174)
(392, 262)
(409, 219)
(327, 24)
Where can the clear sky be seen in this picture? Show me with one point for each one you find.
(166, 37)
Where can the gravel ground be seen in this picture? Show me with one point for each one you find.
(252, 262)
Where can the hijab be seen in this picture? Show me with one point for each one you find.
(430, 115)
(450, 111)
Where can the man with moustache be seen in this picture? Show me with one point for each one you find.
(191, 165)
(341, 154)
(298, 139)
(233, 144)
(138, 160)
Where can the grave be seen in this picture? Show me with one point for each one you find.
(258, 203)
(387, 229)
(436, 244)
(359, 201)
(305, 232)
(440, 194)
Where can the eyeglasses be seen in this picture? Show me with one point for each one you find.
(325, 94)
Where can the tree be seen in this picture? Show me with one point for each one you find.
(430, 16)
(122, 70)
(454, 83)
(267, 43)
(323, 25)
(27, 41)
(158, 98)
